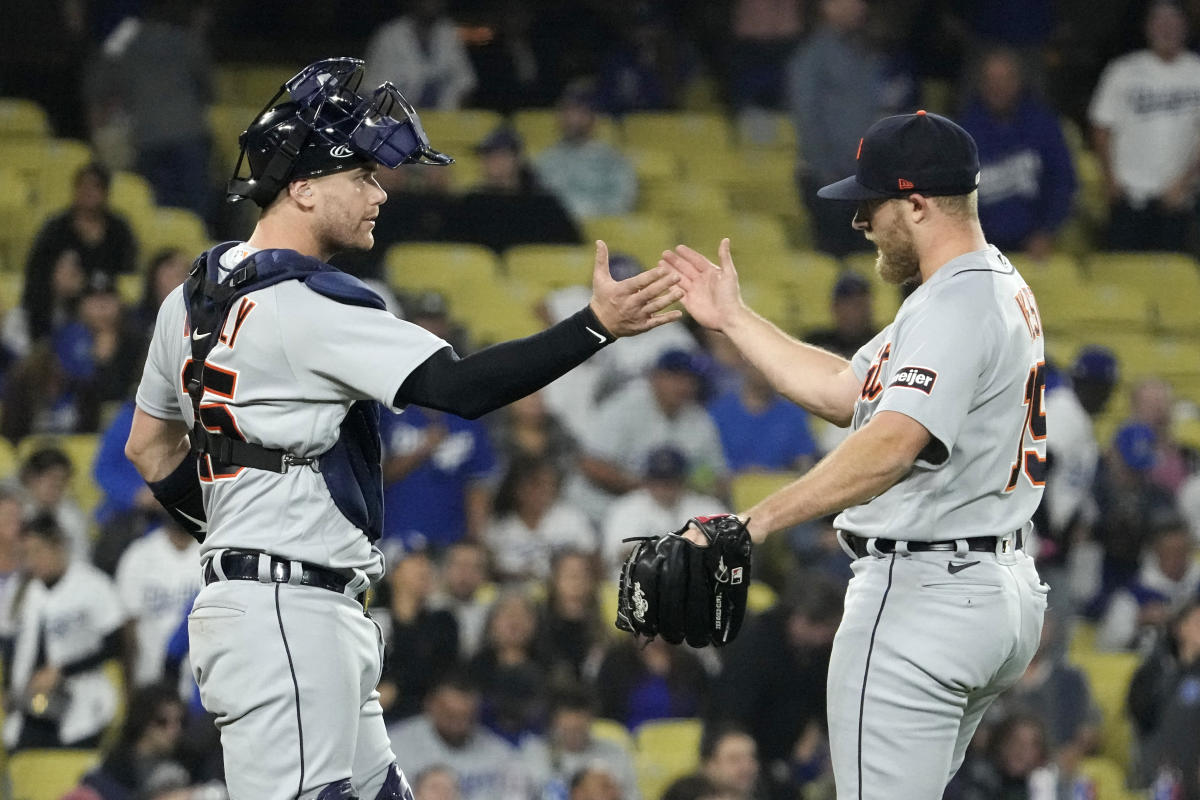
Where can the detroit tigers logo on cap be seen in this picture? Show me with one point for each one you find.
(917, 378)
(340, 151)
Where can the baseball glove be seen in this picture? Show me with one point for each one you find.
(681, 591)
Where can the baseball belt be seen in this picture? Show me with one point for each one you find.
(977, 544)
(239, 565)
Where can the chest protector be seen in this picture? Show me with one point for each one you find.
(351, 467)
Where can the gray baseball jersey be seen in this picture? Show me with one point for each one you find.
(964, 357)
(295, 362)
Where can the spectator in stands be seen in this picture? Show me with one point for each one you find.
(156, 70)
(167, 269)
(509, 670)
(569, 747)
(422, 53)
(513, 73)
(510, 206)
(694, 787)
(100, 353)
(1189, 504)
(1058, 694)
(1169, 577)
(1145, 115)
(12, 579)
(448, 733)
(71, 623)
(837, 88)
(1127, 502)
(589, 176)
(464, 570)
(1017, 765)
(1027, 181)
(660, 504)
(1073, 451)
(44, 478)
(527, 428)
(760, 430)
(772, 681)
(662, 408)
(570, 629)
(128, 508)
(765, 33)
(36, 396)
(422, 642)
(66, 284)
(532, 522)
(100, 240)
(436, 783)
(157, 578)
(149, 759)
(435, 472)
(853, 320)
(646, 67)
(1163, 687)
(1152, 402)
(655, 680)
(729, 758)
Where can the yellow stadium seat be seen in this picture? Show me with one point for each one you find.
(758, 237)
(653, 167)
(8, 460)
(23, 119)
(608, 607)
(251, 84)
(758, 129)
(643, 236)
(1060, 272)
(1093, 310)
(1187, 432)
(1107, 779)
(775, 301)
(48, 774)
(225, 124)
(760, 597)
(456, 132)
(1109, 675)
(131, 195)
(666, 750)
(613, 731)
(174, 228)
(1083, 638)
(497, 313)
(683, 198)
(1148, 355)
(538, 129)
(435, 265)
(750, 487)
(542, 267)
(56, 183)
(1155, 274)
(130, 288)
(694, 136)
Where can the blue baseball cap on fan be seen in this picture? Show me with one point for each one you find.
(919, 153)
(1135, 444)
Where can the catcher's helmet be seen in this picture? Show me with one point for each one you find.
(326, 126)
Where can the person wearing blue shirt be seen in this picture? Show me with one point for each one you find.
(1027, 181)
(761, 430)
(435, 474)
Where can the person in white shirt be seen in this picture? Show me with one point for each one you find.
(71, 623)
(532, 523)
(1145, 116)
(657, 507)
(45, 476)
(421, 52)
(157, 578)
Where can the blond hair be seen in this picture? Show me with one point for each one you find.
(962, 207)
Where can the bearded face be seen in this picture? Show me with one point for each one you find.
(883, 225)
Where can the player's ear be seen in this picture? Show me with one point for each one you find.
(301, 192)
(917, 206)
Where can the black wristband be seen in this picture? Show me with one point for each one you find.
(180, 494)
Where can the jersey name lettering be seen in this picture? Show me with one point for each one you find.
(1029, 310)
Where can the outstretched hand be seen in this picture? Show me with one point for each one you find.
(636, 304)
(710, 293)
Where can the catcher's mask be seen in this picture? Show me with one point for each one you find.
(326, 126)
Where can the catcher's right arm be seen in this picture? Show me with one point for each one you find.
(673, 588)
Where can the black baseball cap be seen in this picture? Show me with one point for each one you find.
(922, 152)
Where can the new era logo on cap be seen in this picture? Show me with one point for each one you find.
(910, 153)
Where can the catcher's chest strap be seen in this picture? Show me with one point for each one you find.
(234, 452)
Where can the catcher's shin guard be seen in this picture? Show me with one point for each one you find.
(395, 787)
(342, 790)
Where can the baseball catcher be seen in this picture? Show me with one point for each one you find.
(682, 591)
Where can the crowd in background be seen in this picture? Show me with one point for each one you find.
(503, 534)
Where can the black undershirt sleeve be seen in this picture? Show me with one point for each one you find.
(496, 376)
(110, 648)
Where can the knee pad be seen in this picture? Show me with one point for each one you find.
(342, 790)
(395, 786)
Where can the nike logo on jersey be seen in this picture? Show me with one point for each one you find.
(599, 338)
(954, 569)
(198, 336)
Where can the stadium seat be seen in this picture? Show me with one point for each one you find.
(758, 129)
(654, 167)
(457, 132)
(1093, 310)
(683, 198)
(1187, 432)
(225, 124)
(694, 136)
(756, 237)
(1107, 780)
(497, 312)
(1109, 675)
(538, 129)
(55, 183)
(8, 460)
(643, 236)
(130, 287)
(172, 228)
(436, 265)
(22, 119)
(48, 774)
(748, 488)
(1149, 355)
(775, 301)
(1083, 638)
(608, 607)
(130, 194)
(760, 597)
(543, 267)
(251, 84)
(666, 749)
(613, 731)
